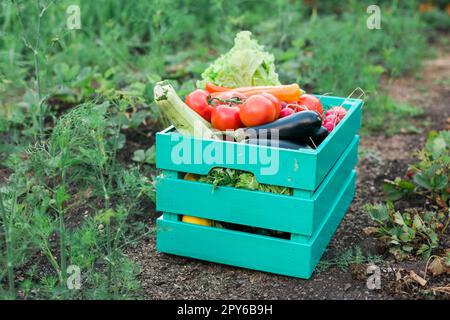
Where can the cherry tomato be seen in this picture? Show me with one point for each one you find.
(276, 102)
(310, 102)
(198, 101)
(257, 110)
(225, 117)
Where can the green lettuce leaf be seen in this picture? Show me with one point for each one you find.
(246, 64)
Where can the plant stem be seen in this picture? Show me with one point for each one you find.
(37, 72)
(62, 235)
(62, 245)
(446, 225)
(8, 244)
(110, 262)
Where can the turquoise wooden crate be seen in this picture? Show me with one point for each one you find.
(301, 169)
(295, 257)
(323, 183)
(300, 213)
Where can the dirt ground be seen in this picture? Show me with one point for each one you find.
(170, 277)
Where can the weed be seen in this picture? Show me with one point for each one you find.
(76, 165)
(346, 258)
(412, 232)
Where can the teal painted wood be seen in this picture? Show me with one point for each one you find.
(338, 139)
(295, 214)
(286, 257)
(303, 169)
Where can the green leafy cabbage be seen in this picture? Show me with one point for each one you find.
(246, 64)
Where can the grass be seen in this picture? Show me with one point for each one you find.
(77, 113)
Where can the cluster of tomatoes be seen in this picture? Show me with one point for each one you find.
(231, 110)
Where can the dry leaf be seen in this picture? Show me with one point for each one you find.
(445, 290)
(369, 231)
(436, 267)
(441, 202)
(398, 276)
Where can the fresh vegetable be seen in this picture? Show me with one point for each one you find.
(333, 117)
(310, 102)
(198, 101)
(226, 117)
(293, 127)
(195, 220)
(258, 110)
(227, 97)
(339, 112)
(285, 144)
(286, 112)
(240, 179)
(190, 177)
(276, 103)
(212, 88)
(315, 139)
(330, 122)
(183, 118)
(199, 221)
(287, 93)
(246, 64)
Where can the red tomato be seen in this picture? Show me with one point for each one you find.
(198, 101)
(276, 102)
(310, 102)
(257, 110)
(228, 95)
(225, 117)
(296, 107)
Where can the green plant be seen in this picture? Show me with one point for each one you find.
(77, 165)
(411, 231)
(429, 177)
(344, 259)
(407, 233)
(7, 226)
(145, 156)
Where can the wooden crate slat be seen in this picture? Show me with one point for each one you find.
(252, 251)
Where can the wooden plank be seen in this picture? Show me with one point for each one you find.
(292, 214)
(338, 141)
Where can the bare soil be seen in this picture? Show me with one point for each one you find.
(165, 276)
